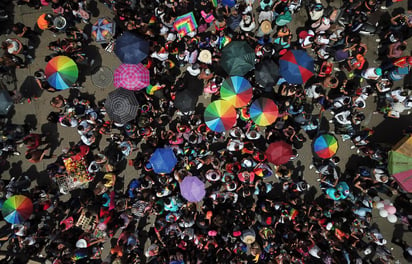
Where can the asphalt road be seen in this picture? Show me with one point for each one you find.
(35, 113)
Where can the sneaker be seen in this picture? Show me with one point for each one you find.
(311, 166)
(384, 8)
(16, 153)
(352, 147)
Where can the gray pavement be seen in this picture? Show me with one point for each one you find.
(36, 112)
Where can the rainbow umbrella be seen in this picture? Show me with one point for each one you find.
(61, 72)
(185, 24)
(263, 111)
(103, 30)
(220, 115)
(236, 90)
(17, 209)
(296, 66)
(325, 146)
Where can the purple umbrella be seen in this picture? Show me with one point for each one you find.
(192, 189)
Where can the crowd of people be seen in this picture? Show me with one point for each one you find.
(253, 212)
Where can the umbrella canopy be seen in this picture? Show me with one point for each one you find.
(236, 90)
(229, 3)
(6, 103)
(121, 105)
(131, 77)
(103, 30)
(279, 152)
(186, 100)
(61, 72)
(17, 209)
(325, 146)
(220, 116)
(192, 189)
(42, 21)
(267, 73)
(238, 58)
(130, 48)
(400, 163)
(163, 160)
(185, 24)
(296, 66)
(263, 111)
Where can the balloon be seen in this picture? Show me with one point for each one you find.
(379, 205)
(391, 209)
(376, 199)
(392, 218)
(386, 201)
(383, 212)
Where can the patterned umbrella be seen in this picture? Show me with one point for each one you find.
(220, 115)
(325, 146)
(400, 163)
(61, 72)
(131, 77)
(122, 105)
(192, 189)
(17, 209)
(279, 152)
(236, 90)
(263, 111)
(296, 66)
(103, 30)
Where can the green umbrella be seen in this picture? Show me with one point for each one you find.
(238, 58)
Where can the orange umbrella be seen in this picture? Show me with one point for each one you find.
(42, 22)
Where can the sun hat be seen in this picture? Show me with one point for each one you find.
(205, 56)
(266, 27)
(193, 69)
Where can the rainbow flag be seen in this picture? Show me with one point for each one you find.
(293, 213)
(151, 89)
(185, 24)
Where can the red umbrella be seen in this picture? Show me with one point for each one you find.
(279, 152)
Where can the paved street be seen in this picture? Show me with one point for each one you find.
(36, 112)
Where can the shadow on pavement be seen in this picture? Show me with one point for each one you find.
(394, 134)
(30, 121)
(52, 135)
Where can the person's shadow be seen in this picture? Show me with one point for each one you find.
(52, 135)
(16, 169)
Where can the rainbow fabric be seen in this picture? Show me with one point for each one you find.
(214, 3)
(185, 24)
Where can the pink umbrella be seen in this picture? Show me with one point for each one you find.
(133, 77)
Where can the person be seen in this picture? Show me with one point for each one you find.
(37, 155)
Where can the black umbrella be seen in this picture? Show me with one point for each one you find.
(238, 58)
(6, 103)
(122, 105)
(267, 73)
(186, 100)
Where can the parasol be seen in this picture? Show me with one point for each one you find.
(238, 58)
(61, 72)
(192, 189)
(220, 116)
(400, 163)
(17, 209)
(279, 152)
(236, 90)
(296, 66)
(131, 77)
(103, 30)
(163, 160)
(121, 105)
(131, 48)
(325, 146)
(263, 111)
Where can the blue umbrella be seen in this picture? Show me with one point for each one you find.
(163, 160)
(296, 66)
(130, 48)
(229, 3)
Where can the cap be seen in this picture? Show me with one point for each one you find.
(378, 71)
